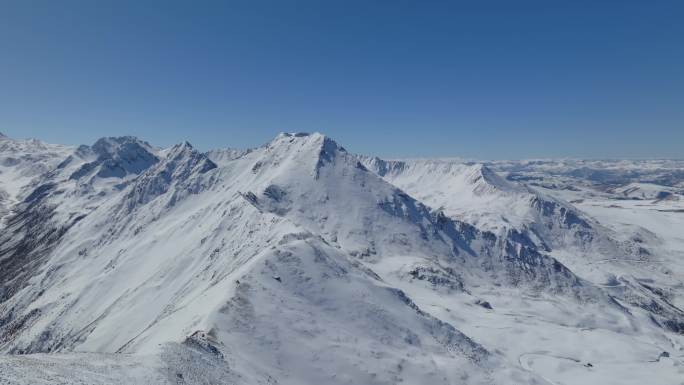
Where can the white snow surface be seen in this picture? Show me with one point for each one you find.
(471, 192)
(21, 162)
(474, 193)
(648, 191)
(297, 263)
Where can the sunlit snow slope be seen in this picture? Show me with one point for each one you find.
(298, 262)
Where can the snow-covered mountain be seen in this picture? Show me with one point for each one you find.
(222, 156)
(299, 262)
(21, 161)
(472, 192)
(616, 172)
(648, 191)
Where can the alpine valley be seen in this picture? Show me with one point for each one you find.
(298, 262)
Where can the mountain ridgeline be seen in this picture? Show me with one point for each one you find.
(294, 262)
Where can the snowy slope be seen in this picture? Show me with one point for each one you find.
(647, 191)
(471, 192)
(476, 194)
(289, 263)
(21, 162)
(222, 156)
(160, 259)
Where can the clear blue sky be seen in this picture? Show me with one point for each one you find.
(482, 79)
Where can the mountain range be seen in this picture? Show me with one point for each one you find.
(298, 262)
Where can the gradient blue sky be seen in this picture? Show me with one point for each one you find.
(480, 79)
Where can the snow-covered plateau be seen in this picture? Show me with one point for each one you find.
(298, 262)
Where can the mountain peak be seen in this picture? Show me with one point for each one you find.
(117, 157)
(301, 138)
(184, 159)
(180, 148)
(110, 146)
(316, 145)
(295, 134)
(184, 151)
(180, 164)
(297, 245)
